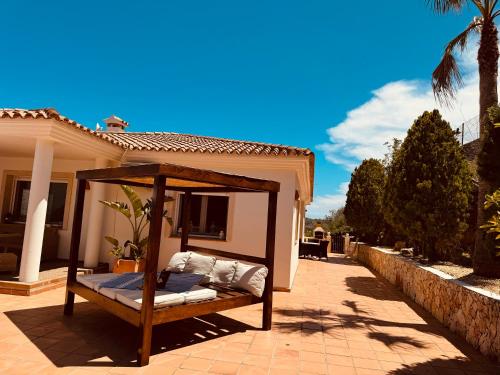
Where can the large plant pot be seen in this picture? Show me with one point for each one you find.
(128, 265)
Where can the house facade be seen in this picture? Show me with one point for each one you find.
(40, 151)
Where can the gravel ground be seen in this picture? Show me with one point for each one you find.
(466, 274)
(461, 273)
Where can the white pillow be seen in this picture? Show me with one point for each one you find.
(178, 261)
(251, 278)
(223, 271)
(200, 264)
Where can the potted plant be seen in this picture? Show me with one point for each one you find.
(129, 257)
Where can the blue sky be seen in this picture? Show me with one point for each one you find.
(327, 75)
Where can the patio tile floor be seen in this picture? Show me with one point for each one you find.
(339, 319)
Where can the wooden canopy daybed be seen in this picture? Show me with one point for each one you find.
(163, 177)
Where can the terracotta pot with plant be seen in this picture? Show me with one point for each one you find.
(129, 257)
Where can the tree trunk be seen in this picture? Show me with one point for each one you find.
(483, 261)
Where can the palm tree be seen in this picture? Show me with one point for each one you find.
(446, 78)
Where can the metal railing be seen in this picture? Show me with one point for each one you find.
(468, 131)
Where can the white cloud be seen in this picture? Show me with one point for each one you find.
(391, 111)
(386, 115)
(324, 203)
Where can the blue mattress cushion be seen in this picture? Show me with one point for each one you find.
(177, 282)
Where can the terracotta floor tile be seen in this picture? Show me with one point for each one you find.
(252, 370)
(391, 366)
(338, 315)
(365, 371)
(390, 357)
(366, 363)
(312, 347)
(257, 360)
(312, 356)
(280, 371)
(339, 360)
(341, 370)
(230, 356)
(284, 363)
(313, 367)
(187, 372)
(226, 368)
(286, 352)
(198, 364)
(359, 353)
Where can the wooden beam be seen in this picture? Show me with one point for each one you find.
(122, 311)
(181, 173)
(186, 219)
(143, 170)
(151, 267)
(228, 254)
(200, 189)
(215, 189)
(207, 176)
(189, 310)
(267, 313)
(76, 232)
(125, 182)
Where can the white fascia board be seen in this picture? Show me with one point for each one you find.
(298, 164)
(60, 133)
(78, 139)
(24, 128)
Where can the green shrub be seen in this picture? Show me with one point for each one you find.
(486, 258)
(363, 209)
(492, 226)
(428, 187)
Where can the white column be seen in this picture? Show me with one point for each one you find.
(96, 218)
(37, 211)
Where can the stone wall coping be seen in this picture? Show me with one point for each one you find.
(439, 273)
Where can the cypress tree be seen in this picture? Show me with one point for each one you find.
(428, 187)
(363, 210)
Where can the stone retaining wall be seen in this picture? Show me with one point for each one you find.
(471, 312)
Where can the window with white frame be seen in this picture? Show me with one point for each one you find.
(209, 216)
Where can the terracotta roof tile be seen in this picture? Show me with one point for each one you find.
(163, 141)
(167, 141)
(51, 113)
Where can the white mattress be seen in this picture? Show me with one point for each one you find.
(133, 298)
(163, 298)
(199, 293)
(110, 292)
(93, 281)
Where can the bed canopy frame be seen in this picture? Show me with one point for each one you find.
(163, 177)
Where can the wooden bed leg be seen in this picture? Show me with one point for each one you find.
(151, 267)
(76, 232)
(69, 303)
(144, 351)
(267, 311)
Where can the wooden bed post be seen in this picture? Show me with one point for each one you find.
(148, 295)
(267, 311)
(186, 218)
(76, 232)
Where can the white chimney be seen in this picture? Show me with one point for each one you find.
(115, 124)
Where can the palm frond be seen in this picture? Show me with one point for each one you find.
(446, 78)
(119, 207)
(113, 241)
(445, 6)
(134, 198)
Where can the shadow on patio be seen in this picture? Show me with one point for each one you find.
(93, 337)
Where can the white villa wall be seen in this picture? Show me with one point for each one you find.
(247, 211)
(246, 223)
(59, 165)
